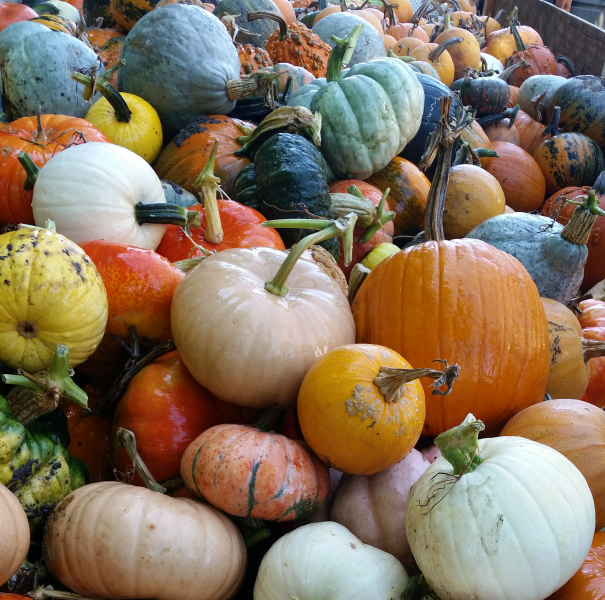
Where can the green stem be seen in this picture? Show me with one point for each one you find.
(166, 213)
(268, 419)
(552, 128)
(577, 231)
(459, 446)
(31, 170)
(127, 440)
(521, 47)
(382, 219)
(206, 185)
(342, 227)
(342, 53)
(22, 381)
(59, 372)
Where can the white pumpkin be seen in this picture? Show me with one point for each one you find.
(324, 561)
(372, 507)
(492, 63)
(517, 527)
(14, 532)
(90, 192)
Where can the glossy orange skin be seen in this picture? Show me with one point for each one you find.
(167, 409)
(98, 37)
(382, 236)
(287, 10)
(501, 43)
(247, 472)
(409, 192)
(589, 582)
(593, 328)
(519, 175)
(6, 596)
(19, 136)
(184, 158)
(241, 229)
(468, 303)
(574, 428)
(359, 432)
(13, 13)
(140, 285)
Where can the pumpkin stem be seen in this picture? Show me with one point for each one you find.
(459, 445)
(571, 67)
(38, 394)
(167, 214)
(40, 135)
(206, 185)
(253, 530)
(31, 170)
(358, 275)
(521, 47)
(102, 85)
(128, 441)
(553, 127)
(48, 593)
(510, 70)
(391, 382)
(342, 53)
(441, 145)
(297, 120)
(577, 231)
(342, 227)
(284, 34)
(592, 349)
(382, 218)
(249, 84)
(439, 50)
(509, 113)
(268, 419)
(466, 155)
(513, 17)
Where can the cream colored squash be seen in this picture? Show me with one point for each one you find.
(112, 540)
(324, 561)
(14, 531)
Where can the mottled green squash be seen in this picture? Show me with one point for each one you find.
(487, 95)
(260, 30)
(245, 190)
(12, 34)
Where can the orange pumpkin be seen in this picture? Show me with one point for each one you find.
(476, 138)
(530, 132)
(502, 131)
(519, 175)
(98, 37)
(574, 428)
(468, 6)
(363, 429)
(248, 472)
(491, 25)
(592, 320)
(109, 54)
(389, 42)
(401, 30)
(13, 13)
(251, 59)
(287, 10)
(501, 43)
(409, 190)
(406, 45)
(438, 56)
(403, 9)
(464, 54)
(512, 101)
(462, 15)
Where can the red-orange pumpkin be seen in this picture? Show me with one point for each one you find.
(592, 321)
(13, 13)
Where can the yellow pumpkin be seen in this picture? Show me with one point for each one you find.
(350, 422)
(51, 294)
(15, 535)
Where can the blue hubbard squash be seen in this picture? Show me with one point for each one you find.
(369, 113)
(260, 30)
(180, 58)
(14, 33)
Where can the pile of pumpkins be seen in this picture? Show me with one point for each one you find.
(297, 300)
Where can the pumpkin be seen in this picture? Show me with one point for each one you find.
(57, 23)
(295, 44)
(126, 119)
(99, 37)
(502, 130)
(41, 138)
(402, 30)
(110, 55)
(338, 560)
(487, 291)
(541, 87)
(369, 44)
(487, 95)
(170, 533)
(15, 534)
(514, 91)
(553, 255)
(501, 43)
(491, 24)
(13, 13)
(183, 159)
(406, 45)
(67, 302)
(574, 428)
(592, 320)
(287, 10)
(248, 32)
(118, 178)
(385, 125)
(557, 208)
(127, 12)
(252, 59)
(271, 364)
(154, 65)
(389, 42)
(297, 76)
(438, 56)
(403, 9)
(476, 138)
(28, 82)
(280, 480)
(372, 507)
(512, 477)
(408, 193)
(464, 54)
(530, 132)
(568, 159)
(472, 197)
(519, 175)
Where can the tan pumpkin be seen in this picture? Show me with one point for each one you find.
(112, 540)
(15, 534)
(389, 42)
(401, 30)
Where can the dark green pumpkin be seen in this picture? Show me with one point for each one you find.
(582, 102)
(291, 182)
(260, 30)
(487, 95)
(309, 19)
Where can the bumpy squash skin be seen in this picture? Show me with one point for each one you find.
(181, 81)
(260, 29)
(38, 71)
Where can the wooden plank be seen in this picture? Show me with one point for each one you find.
(563, 32)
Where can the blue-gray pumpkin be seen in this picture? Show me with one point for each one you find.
(37, 71)
(180, 59)
(15, 32)
(260, 30)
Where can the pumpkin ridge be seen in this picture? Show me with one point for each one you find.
(251, 487)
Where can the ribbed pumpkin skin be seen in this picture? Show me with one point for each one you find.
(592, 321)
(467, 303)
(277, 480)
(184, 158)
(568, 376)
(15, 535)
(574, 428)
(359, 432)
(487, 95)
(541, 62)
(465, 54)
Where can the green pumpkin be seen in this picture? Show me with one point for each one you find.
(487, 95)
(309, 19)
(35, 465)
(12, 34)
(260, 30)
(180, 58)
(369, 113)
(37, 69)
(288, 172)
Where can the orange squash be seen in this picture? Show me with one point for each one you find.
(519, 175)
(592, 320)
(251, 59)
(248, 472)
(501, 43)
(464, 54)
(406, 45)
(438, 56)
(389, 42)
(502, 131)
(401, 30)
(287, 10)
(476, 138)
(363, 429)
(574, 428)
(530, 132)
(468, 6)
(491, 25)
(109, 54)
(98, 37)
(404, 11)
(512, 101)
